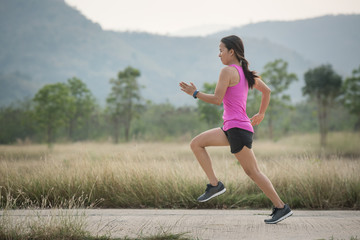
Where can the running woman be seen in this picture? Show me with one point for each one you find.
(237, 131)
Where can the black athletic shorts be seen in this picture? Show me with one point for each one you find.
(238, 138)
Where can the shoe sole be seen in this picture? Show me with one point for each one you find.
(215, 195)
(282, 218)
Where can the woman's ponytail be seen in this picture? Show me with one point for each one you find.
(235, 43)
(249, 75)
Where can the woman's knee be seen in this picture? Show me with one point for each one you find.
(253, 173)
(195, 143)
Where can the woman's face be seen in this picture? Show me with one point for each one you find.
(225, 55)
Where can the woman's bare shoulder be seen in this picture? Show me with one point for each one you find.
(227, 70)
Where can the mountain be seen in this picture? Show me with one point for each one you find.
(47, 41)
(327, 39)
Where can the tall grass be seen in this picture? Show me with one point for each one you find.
(166, 175)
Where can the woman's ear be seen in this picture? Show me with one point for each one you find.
(232, 52)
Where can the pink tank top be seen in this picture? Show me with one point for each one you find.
(234, 101)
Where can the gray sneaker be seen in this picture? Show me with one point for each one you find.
(279, 214)
(212, 191)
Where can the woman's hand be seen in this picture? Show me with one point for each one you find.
(257, 118)
(189, 89)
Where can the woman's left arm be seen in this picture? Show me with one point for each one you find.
(265, 99)
(220, 90)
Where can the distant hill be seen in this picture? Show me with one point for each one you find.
(327, 39)
(47, 41)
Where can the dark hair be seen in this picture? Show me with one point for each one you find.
(235, 43)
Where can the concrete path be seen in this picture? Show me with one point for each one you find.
(213, 224)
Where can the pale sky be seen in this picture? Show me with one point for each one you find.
(172, 17)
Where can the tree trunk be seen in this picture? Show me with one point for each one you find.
(127, 130)
(127, 124)
(71, 127)
(87, 126)
(116, 130)
(357, 124)
(128, 118)
(270, 125)
(322, 116)
(49, 135)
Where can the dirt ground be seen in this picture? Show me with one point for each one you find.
(213, 224)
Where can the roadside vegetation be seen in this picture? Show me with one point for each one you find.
(166, 175)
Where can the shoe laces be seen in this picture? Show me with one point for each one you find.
(208, 186)
(273, 211)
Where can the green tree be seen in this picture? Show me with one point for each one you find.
(124, 101)
(81, 106)
(17, 122)
(276, 76)
(323, 85)
(351, 89)
(51, 105)
(164, 122)
(210, 113)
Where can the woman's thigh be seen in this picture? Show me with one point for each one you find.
(247, 160)
(212, 137)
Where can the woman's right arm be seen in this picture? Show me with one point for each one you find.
(265, 99)
(220, 90)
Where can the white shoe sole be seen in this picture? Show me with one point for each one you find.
(282, 218)
(215, 195)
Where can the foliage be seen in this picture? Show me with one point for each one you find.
(275, 75)
(17, 122)
(20, 122)
(124, 101)
(81, 107)
(252, 107)
(52, 102)
(209, 113)
(351, 89)
(163, 122)
(323, 85)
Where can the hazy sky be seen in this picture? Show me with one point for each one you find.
(171, 17)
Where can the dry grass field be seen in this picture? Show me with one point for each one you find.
(166, 175)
